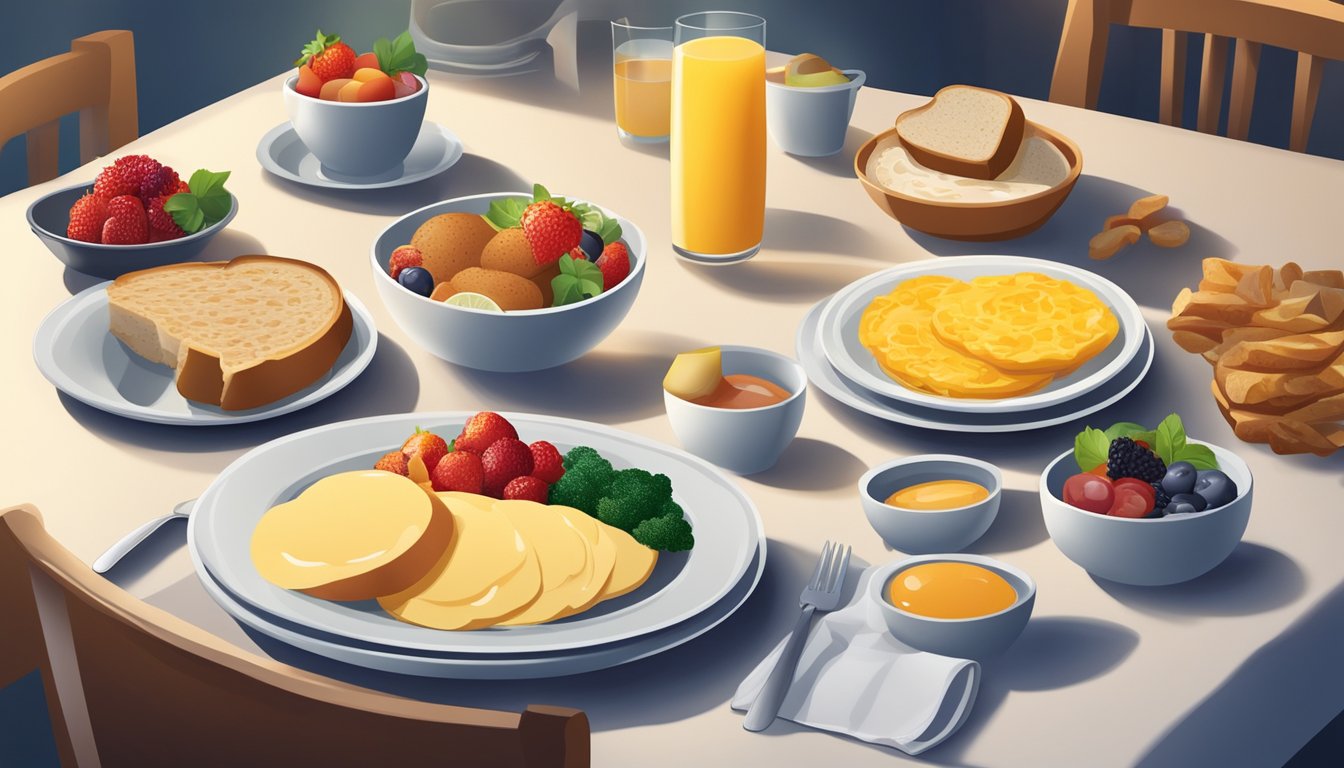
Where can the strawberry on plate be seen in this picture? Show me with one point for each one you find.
(458, 471)
(505, 459)
(430, 447)
(615, 265)
(126, 222)
(161, 223)
(546, 461)
(328, 57)
(125, 176)
(529, 488)
(86, 218)
(394, 462)
(482, 431)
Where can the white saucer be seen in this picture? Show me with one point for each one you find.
(281, 152)
(827, 379)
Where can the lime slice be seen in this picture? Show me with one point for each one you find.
(473, 301)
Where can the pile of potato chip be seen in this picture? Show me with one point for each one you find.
(1275, 338)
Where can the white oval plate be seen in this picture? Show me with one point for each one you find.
(840, 337)
(77, 353)
(727, 530)
(282, 153)
(828, 380)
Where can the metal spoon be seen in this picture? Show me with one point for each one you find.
(133, 539)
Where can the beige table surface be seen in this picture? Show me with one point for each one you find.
(1238, 667)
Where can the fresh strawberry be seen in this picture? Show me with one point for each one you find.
(546, 463)
(458, 471)
(125, 175)
(482, 430)
(86, 218)
(329, 58)
(615, 265)
(126, 222)
(551, 229)
(308, 84)
(505, 459)
(394, 462)
(158, 181)
(182, 186)
(430, 446)
(403, 257)
(528, 488)
(161, 223)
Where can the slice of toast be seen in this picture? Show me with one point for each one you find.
(964, 131)
(240, 334)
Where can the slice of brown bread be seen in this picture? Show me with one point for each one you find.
(964, 131)
(241, 333)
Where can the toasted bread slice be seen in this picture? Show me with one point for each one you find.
(964, 131)
(241, 333)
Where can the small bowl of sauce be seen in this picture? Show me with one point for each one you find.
(737, 407)
(931, 503)
(965, 606)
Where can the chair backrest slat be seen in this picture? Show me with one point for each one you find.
(1245, 70)
(1211, 78)
(1172, 99)
(1306, 87)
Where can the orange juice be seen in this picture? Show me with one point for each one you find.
(951, 590)
(643, 96)
(718, 146)
(939, 494)
(742, 390)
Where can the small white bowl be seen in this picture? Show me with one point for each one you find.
(743, 440)
(923, 531)
(1146, 551)
(357, 138)
(811, 122)
(978, 637)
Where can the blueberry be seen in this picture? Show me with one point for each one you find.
(591, 244)
(1216, 487)
(417, 280)
(1180, 478)
(1186, 503)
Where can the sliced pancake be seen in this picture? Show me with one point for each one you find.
(634, 563)
(600, 563)
(562, 551)
(506, 598)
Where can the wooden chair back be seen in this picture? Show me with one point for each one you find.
(129, 684)
(1313, 28)
(95, 79)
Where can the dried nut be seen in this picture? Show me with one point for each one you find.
(1119, 220)
(1170, 234)
(1106, 244)
(1147, 206)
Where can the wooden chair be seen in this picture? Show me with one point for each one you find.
(96, 79)
(128, 684)
(1313, 28)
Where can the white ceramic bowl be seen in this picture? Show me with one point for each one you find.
(920, 532)
(1146, 551)
(743, 440)
(507, 342)
(357, 138)
(979, 637)
(811, 122)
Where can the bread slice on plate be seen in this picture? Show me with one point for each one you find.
(964, 131)
(240, 334)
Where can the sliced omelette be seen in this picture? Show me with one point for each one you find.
(562, 551)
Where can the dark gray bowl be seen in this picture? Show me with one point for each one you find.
(50, 214)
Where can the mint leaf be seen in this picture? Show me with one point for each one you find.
(1125, 429)
(399, 55)
(382, 49)
(1201, 456)
(506, 213)
(610, 231)
(185, 211)
(1089, 448)
(1170, 438)
(204, 182)
(539, 193)
(579, 279)
(566, 290)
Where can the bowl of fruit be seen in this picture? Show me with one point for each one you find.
(137, 214)
(509, 282)
(358, 114)
(1146, 507)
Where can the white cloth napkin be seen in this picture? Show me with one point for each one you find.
(855, 678)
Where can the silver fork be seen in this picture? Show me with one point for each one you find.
(130, 541)
(821, 595)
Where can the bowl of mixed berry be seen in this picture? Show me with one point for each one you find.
(1146, 506)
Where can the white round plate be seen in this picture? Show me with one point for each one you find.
(727, 532)
(485, 667)
(77, 353)
(828, 380)
(282, 153)
(840, 332)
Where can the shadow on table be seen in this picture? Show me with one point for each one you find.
(1152, 275)
(472, 175)
(781, 279)
(1253, 579)
(813, 465)
(630, 381)
(1019, 525)
(224, 246)
(841, 163)
(389, 385)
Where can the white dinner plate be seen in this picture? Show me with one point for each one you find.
(828, 380)
(77, 353)
(282, 153)
(492, 667)
(726, 524)
(840, 332)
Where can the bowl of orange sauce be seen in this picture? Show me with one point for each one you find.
(965, 606)
(931, 503)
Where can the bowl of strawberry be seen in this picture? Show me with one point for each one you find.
(509, 282)
(1146, 507)
(359, 114)
(136, 214)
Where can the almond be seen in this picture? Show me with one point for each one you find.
(1147, 206)
(1170, 234)
(1107, 243)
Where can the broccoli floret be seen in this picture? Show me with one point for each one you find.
(579, 454)
(655, 488)
(633, 497)
(670, 533)
(578, 490)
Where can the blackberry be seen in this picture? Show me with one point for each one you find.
(1129, 459)
(1160, 500)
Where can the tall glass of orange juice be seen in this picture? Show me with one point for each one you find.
(642, 80)
(718, 136)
